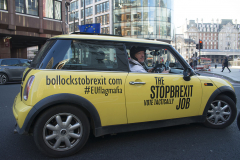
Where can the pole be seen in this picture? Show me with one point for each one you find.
(199, 53)
(189, 50)
(74, 24)
(175, 43)
(84, 8)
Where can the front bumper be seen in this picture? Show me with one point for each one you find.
(20, 112)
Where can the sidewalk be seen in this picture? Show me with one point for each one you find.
(234, 75)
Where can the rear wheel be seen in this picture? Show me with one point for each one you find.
(238, 121)
(221, 113)
(3, 78)
(61, 131)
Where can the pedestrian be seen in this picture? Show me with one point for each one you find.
(194, 62)
(225, 64)
(191, 63)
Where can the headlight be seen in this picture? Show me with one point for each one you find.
(28, 87)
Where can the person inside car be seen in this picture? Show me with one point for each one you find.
(136, 63)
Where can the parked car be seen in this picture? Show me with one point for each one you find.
(79, 83)
(11, 69)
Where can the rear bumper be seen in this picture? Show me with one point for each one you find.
(20, 112)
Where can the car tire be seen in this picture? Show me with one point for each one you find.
(3, 78)
(221, 113)
(238, 121)
(61, 131)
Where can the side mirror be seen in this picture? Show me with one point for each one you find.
(187, 74)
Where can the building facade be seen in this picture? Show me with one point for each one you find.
(220, 38)
(25, 23)
(150, 19)
(96, 11)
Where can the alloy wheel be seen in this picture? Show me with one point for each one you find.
(62, 132)
(219, 113)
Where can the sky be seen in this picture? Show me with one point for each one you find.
(206, 10)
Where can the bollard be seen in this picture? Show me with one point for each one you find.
(215, 66)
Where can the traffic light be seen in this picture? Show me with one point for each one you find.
(197, 46)
(200, 44)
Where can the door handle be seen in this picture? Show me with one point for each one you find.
(133, 83)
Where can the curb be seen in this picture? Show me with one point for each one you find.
(228, 78)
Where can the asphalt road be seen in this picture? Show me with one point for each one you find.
(193, 141)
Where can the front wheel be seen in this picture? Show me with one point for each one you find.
(61, 131)
(221, 113)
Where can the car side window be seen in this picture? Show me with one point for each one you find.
(163, 56)
(90, 56)
(10, 62)
(158, 59)
(24, 62)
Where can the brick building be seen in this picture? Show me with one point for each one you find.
(25, 23)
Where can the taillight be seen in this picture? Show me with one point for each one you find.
(28, 87)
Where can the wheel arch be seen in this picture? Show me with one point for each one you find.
(224, 90)
(86, 106)
(5, 73)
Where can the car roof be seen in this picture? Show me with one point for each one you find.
(108, 38)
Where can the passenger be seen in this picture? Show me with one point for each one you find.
(136, 63)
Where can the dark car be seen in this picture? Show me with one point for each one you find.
(11, 69)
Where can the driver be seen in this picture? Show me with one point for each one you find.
(136, 62)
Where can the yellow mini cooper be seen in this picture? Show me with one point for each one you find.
(107, 84)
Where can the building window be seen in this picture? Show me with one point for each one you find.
(72, 16)
(26, 6)
(101, 8)
(3, 4)
(88, 12)
(104, 19)
(105, 30)
(52, 9)
(73, 28)
(89, 21)
(73, 6)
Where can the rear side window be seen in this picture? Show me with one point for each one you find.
(10, 62)
(86, 55)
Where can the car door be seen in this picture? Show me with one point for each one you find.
(161, 96)
(94, 70)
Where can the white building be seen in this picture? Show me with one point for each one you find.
(220, 38)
